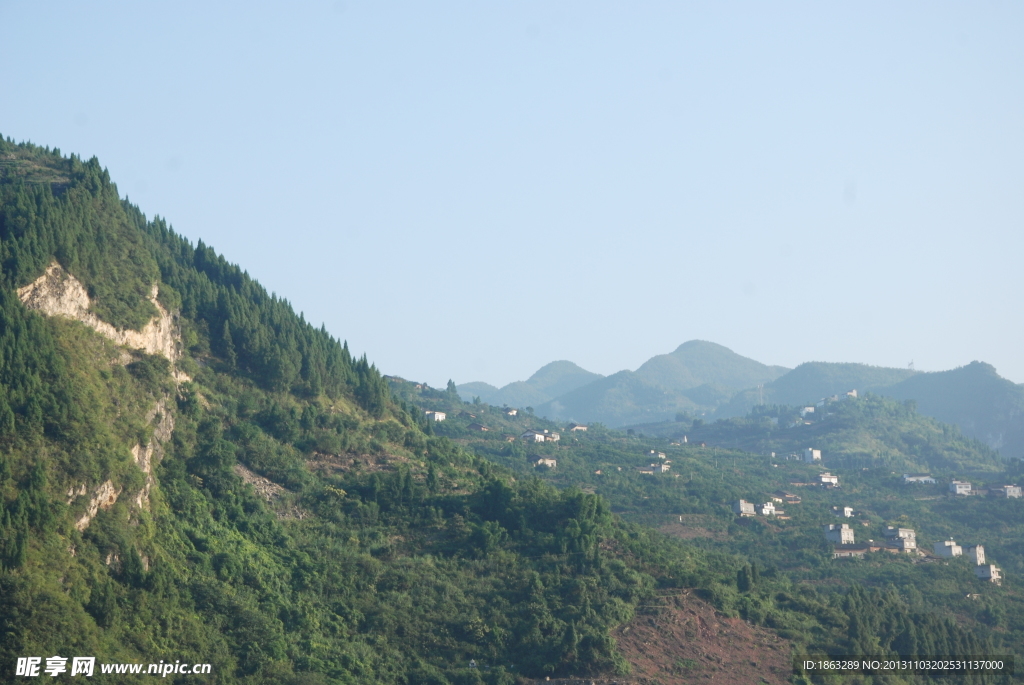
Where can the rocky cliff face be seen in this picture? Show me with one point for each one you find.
(58, 293)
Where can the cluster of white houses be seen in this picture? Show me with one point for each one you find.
(545, 435)
(976, 553)
(905, 540)
(963, 488)
(745, 508)
(897, 540)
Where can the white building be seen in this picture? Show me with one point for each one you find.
(904, 544)
(654, 454)
(539, 436)
(533, 436)
(435, 416)
(903, 539)
(828, 480)
(917, 478)
(844, 512)
(511, 412)
(743, 508)
(852, 393)
(806, 410)
(989, 572)
(550, 463)
(975, 553)
(893, 533)
(1005, 491)
(948, 549)
(960, 487)
(812, 455)
(768, 509)
(840, 534)
(573, 427)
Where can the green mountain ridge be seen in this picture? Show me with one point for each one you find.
(253, 496)
(698, 362)
(259, 503)
(550, 381)
(704, 379)
(974, 397)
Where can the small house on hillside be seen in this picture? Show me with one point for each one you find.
(576, 427)
(948, 549)
(844, 512)
(532, 435)
(989, 572)
(841, 534)
(960, 487)
(743, 508)
(975, 553)
(435, 415)
(901, 539)
(812, 455)
(654, 454)
(511, 412)
(545, 461)
(828, 480)
(479, 427)
(909, 478)
(1005, 491)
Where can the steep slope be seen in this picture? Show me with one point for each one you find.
(190, 471)
(550, 381)
(975, 398)
(699, 362)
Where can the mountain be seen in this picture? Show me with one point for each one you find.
(619, 399)
(698, 362)
(485, 391)
(975, 398)
(190, 471)
(696, 377)
(812, 381)
(550, 381)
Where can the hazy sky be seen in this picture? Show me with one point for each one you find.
(472, 190)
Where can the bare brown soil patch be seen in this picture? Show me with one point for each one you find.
(687, 641)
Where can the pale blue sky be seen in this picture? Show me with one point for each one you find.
(471, 190)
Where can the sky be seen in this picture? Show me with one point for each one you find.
(473, 190)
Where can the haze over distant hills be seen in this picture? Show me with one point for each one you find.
(701, 378)
(550, 381)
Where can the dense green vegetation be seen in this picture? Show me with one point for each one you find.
(802, 592)
(303, 523)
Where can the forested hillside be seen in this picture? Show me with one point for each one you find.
(189, 471)
(868, 442)
(252, 497)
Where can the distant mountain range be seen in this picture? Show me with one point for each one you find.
(704, 379)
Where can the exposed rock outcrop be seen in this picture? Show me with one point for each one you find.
(58, 293)
(147, 455)
(104, 498)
